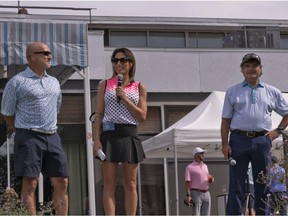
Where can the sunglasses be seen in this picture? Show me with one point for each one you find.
(46, 53)
(122, 60)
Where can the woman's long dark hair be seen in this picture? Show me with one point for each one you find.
(128, 53)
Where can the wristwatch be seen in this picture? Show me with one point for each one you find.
(279, 129)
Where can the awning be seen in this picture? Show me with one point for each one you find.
(67, 41)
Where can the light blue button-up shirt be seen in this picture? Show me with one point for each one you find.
(35, 101)
(250, 108)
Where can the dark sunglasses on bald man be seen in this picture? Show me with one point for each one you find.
(46, 53)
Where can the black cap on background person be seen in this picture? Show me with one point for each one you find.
(249, 57)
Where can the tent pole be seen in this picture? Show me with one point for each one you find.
(166, 186)
(89, 147)
(41, 190)
(8, 162)
(176, 180)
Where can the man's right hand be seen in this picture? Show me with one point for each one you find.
(188, 201)
(226, 150)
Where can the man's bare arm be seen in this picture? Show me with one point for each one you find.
(10, 120)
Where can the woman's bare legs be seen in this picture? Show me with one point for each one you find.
(109, 180)
(130, 187)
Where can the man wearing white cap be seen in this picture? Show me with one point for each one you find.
(197, 179)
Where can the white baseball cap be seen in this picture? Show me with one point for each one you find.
(198, 150)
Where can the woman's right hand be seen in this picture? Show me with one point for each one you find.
(96, 146)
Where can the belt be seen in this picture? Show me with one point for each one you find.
(251, 134)
(202, 191)
(43, 131)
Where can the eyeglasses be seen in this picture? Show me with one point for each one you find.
(46, 53)
(122, 60)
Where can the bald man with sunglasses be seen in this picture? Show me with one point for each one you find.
(30, 104)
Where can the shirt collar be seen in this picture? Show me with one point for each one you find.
(195, 162)
(30, 73)
(260, 84)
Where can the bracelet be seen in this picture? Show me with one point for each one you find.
(279, 129)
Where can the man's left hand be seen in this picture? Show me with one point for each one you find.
(273, 134)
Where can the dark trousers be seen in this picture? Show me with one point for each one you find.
(245, 149)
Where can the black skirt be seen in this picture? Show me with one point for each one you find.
(122, 144)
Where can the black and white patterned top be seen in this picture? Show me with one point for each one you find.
(118, 112)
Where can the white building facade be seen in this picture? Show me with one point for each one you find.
(180, 61)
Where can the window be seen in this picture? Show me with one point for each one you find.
(210, 40)
(193, 40)
(284, 41)
(160, 39)
(235, 40)
(128, 39)
(246, 37)
(152, 124)
(256, 37)
(175, 113)
(167, 39)
(69, 115)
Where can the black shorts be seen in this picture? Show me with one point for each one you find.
(122, 144)
(38, 152)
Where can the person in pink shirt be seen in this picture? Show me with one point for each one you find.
(197, 179)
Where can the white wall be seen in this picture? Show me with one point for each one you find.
(188, 70)
(96, 58)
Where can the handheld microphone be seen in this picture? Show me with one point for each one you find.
(101, 154)
(119, 83)
(232, 162)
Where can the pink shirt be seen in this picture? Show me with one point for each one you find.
(197, 174)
